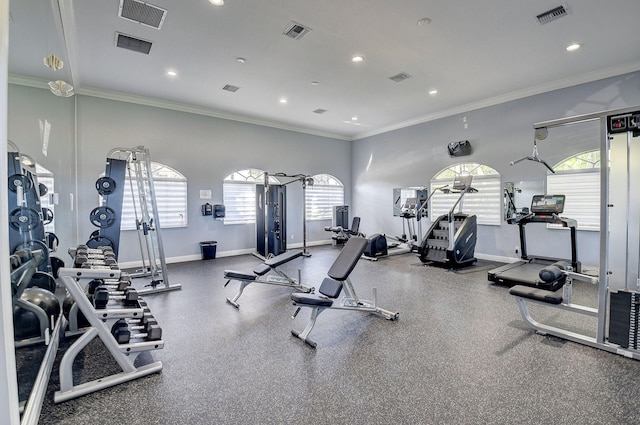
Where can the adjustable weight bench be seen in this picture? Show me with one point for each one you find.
(258, 275)
(331, 288)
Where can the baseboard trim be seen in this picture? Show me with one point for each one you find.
(219, 254)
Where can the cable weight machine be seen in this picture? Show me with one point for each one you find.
(271, 206)
(134, 165)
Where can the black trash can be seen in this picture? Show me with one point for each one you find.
(208, 249)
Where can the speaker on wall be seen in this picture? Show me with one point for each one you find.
(460, 148)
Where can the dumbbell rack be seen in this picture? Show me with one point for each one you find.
(101, 322)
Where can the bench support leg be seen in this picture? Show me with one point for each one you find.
(304, 335)
(233, 301)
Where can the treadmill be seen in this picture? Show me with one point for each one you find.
(544, 209)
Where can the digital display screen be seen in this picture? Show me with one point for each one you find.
(547, 204)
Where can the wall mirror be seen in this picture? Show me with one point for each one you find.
(517, 197)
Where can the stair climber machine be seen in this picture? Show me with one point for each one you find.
(544, 209)
(452, 245)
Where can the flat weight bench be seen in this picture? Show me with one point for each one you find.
(258, 275)
(331, 288)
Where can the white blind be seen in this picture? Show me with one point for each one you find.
(582, 191)
(486, 204)
(239, 199)
(171, 199)
(320, 200)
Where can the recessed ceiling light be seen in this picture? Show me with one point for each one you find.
(357, 59)
(433, 92)
(283, 100)
(172, 73)
(354, 118)
(314, 83)
(216, 2)
(573, 47)
(424, 22)
(240, 59)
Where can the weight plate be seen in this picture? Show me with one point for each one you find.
(98, 241)
(42, 189)
(47, 216)
(24, 219)
(19, 180)
(105, 185)
(102, 217)
(35, 245)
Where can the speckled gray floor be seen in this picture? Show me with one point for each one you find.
(459, 354)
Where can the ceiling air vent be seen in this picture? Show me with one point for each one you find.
(142, 13)
(400, 77)
(320, 111)
(229, 87)
(132, 43)
(552, 15)
(296, 30)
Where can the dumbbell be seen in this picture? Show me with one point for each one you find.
(121, 331)
(102, 295)
(114, 285)
(15, 261)
(101, 260)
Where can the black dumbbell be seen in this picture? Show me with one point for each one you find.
(81, 259)
(119, 285)
(15, 261)
(102, 295)
(121, 331)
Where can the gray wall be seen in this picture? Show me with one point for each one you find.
(205, 150)
(498, 134)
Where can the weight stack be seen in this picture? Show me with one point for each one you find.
(624, 318)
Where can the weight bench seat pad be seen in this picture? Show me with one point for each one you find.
(234, 274)
(330, 290)
(537, 294)
(347, 259)
(285, 257)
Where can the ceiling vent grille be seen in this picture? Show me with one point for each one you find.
(400, 77)
(552, 15)
(132, 43)
(229, 87)
(142, 13)
(320, 111)
(296, 31)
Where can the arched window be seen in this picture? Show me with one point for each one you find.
(170, 188)
(578, 178)
(326, 192)
(239, 195)
(486, 204)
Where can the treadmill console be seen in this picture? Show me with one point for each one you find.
(547, 204)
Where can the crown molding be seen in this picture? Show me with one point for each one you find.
(508, 97)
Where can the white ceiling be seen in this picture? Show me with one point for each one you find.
(475, 53)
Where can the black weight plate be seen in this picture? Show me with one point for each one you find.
(98, 241)
(19, 180)
(34, 245)
(47, 216)
(102, 217)
(105, 185)
(24, 219)
(42, 189)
